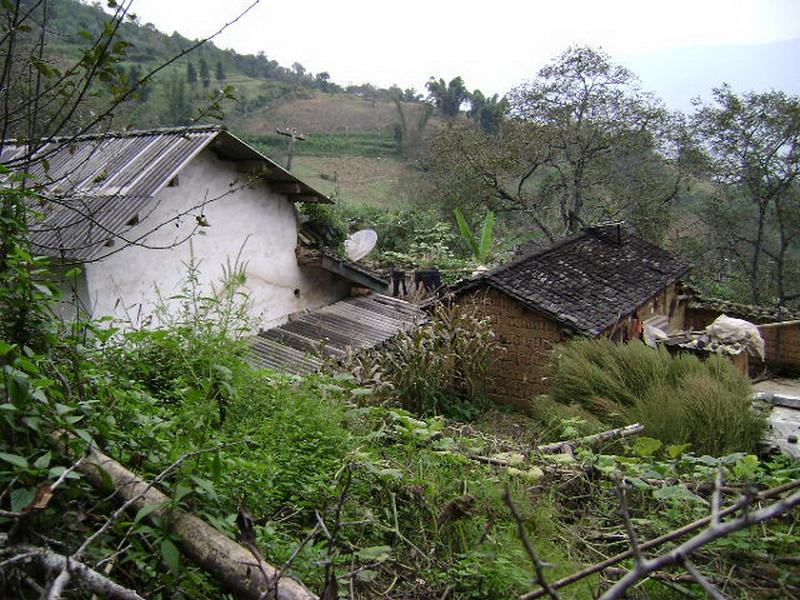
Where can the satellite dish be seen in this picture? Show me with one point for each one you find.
(361, 243)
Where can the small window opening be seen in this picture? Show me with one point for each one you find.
(134, 220)
(296, 293)
(173, 182)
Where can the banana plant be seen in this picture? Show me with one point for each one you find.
(480, 245)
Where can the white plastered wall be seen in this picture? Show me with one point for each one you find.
(262, 224)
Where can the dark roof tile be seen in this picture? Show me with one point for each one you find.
(587, 281)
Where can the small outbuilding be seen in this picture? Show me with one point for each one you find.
(603, 281)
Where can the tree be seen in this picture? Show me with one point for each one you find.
(178, 111)
(205, 73)
(191, 74)
(487, 112)
(581, 144)
(409, 135)
(447, 97)
(220, 72)
(590, 108)
(753, 146)
(299, 70)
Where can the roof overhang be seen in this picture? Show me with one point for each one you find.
(251, 161)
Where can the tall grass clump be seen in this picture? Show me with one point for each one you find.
(439, 367)
(679, 399)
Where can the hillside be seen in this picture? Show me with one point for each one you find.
(351, 147)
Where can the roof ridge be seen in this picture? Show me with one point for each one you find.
(128, 133)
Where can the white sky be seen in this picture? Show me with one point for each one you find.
(493, 44)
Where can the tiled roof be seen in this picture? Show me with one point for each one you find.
(587, 281)
(757, 314)
(94, 185)
(303, 344)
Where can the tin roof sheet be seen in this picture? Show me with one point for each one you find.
(93, 186)
(302, 345)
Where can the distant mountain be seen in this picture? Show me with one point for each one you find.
(680, 74)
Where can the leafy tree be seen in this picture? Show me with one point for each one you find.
(447, 97)
(589, 108)
(220, 72)
(581, 144)
(299, 70)
(487, 112)
(409, 134)
(323, 81)
(178, 111)
(753, 146)
(205, 73)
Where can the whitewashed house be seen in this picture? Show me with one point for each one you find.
(131, 208)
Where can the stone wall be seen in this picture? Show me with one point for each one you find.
(527, 340)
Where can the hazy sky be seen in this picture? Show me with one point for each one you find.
(494, 45)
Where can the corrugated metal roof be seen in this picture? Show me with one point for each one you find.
(94, 185)
(302, 345)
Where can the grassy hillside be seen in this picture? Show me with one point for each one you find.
(351, 150)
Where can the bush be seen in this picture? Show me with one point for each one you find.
(437, 368)
(679, 399)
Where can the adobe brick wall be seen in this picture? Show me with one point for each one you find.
(527, 339)
(781, 342)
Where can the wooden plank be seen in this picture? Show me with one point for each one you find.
(254, 167)
(287, 187)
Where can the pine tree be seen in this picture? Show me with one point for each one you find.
(191, 74)
(205, 74)
(220, 72)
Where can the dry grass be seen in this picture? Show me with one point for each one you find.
(330, 113)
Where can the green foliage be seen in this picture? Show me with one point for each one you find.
(439, 367)
(325, 224)
(678, 399)
(481, 245)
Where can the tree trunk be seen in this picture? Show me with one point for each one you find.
(233, 566)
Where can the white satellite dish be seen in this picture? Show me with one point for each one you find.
(361, 243)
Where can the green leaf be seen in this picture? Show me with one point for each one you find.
(677, 492)
(146, 510)
(676, 450)
(486, 237)
(206, 486)
(746, 467)
(20, 498)
(105, 477)
(171, 555)
(14, 459)
(466, 233)
(43, 461)
(375, 553)
(646, 446)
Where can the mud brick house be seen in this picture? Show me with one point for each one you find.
(603, 281)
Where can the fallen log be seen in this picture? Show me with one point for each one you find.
(55, 563)
(232, 565)
(569, 445)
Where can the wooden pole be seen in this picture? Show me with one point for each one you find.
(591, 439)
